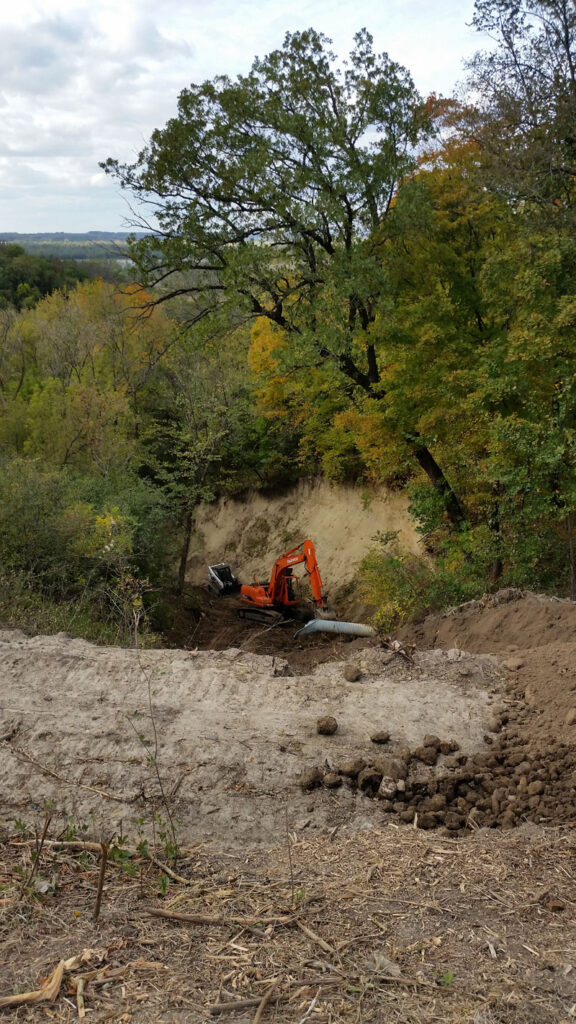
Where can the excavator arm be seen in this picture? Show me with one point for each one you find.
(314, 574)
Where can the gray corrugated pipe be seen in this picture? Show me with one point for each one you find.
(333, 626)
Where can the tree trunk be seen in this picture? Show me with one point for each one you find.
(572, 559)
(497, 567)
(454, 510)
(184, 552)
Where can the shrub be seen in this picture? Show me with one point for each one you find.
(404, 586)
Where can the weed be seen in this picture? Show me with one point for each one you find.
(163, 825)
(21, 827)
(444, 980)
(121, 856)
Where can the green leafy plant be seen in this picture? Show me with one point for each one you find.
(444, 980)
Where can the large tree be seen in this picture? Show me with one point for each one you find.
(270, 191)
(524, 90)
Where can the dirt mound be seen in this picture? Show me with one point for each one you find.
(294, 890)
(526, 771)
(506, 621)
(530, 771)
(223, 736)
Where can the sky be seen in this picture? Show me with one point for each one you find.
(81, 82)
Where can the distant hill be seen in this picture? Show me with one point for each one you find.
(89, 245)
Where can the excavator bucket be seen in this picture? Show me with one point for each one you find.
(326, 612)
(221, 579)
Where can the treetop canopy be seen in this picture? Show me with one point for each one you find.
(302, 154)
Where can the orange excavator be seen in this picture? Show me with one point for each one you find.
(278, 597)
(279, 600)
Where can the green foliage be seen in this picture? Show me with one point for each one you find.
(525, 91)
(336, 306)
(74, 564)
(296, 154)
(404, 587)
(270, 191)
(444, 980)
(80, 425)
(113, 426)
(411, 324)
(25, 606)
(25, 279)
(122, 857)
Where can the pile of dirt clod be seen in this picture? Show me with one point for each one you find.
(529, 773)
(511, 783)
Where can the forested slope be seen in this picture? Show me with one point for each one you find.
(349, 281)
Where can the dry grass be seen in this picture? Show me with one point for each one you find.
(393, 925)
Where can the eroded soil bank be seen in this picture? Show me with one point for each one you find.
(343, 522)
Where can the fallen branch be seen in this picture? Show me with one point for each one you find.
(167, 871)
(134, 965)
(264, 1001)
(402, 979)
(80, 998)
(241, 1004)
(316, 938)
(50, 989)
(69, 782)
(67, 844)
(173, 915)
(249, 1002)
(397, 647)
(104, 975)
(309, 1010)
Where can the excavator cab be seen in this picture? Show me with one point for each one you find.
(292, 585)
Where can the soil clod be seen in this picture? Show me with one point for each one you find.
(326, 725)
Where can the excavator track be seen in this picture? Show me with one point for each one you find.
(264, 616)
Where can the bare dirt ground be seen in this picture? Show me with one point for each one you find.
(304, 897)
(97, 731)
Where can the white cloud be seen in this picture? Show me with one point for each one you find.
(80, 82)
